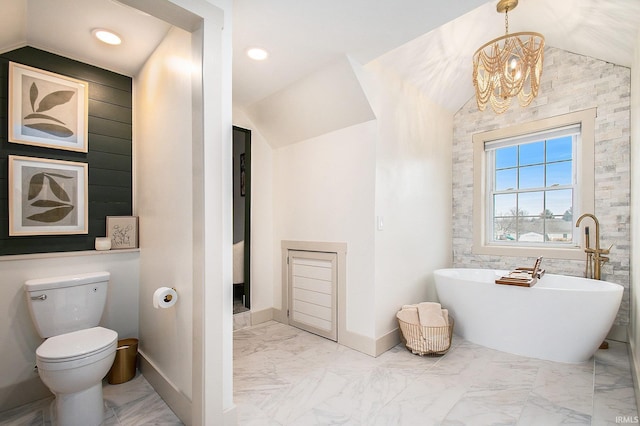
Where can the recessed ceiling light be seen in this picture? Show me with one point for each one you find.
(257, 54)
(106, 36)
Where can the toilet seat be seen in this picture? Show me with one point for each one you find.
(75, 349)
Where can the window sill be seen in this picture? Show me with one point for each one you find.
(546, 252)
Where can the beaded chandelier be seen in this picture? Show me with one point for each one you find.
(508, 66)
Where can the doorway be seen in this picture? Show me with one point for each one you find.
(241, 220)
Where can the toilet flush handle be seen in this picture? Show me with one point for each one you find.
(41, 297)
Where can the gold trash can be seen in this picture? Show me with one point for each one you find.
(124, 366)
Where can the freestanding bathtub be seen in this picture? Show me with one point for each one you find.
(560, 318)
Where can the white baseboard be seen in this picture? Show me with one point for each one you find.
(387, 341)
(635, 372)
(176, 400)
(22, 393)
(258, 317)
(358, 342)
(280, 315)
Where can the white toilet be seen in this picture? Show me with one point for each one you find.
(77, 354)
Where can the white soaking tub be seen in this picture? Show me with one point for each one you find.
(560, 318)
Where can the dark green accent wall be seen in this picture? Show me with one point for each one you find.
(109, 156)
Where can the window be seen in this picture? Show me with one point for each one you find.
(530, 184)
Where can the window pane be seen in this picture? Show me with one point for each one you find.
(531, 229)
(504, 205)
(533, 182)
(532, 153)
(506, 179)
(506, 157)
(531, 203)
(531, 177)
(560, 149)
(559, 173)
(559, 230)
(559, 202)
(504, 229)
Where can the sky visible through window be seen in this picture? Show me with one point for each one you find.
(533, 191)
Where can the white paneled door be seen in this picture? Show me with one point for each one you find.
(312, 292)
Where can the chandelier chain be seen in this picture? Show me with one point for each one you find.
(506, 21)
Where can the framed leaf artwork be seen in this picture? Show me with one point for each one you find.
(47, 197)
(47, 109)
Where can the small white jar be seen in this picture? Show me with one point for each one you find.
(103, 243)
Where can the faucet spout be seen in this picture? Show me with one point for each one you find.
(596, 222)
(594, 254)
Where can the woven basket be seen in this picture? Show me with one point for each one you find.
(423, 340)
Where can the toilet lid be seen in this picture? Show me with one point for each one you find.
(77, 344)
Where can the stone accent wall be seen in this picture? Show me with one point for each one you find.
(570, 83)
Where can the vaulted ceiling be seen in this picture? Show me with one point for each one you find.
(426, 42)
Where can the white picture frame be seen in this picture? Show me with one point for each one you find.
(47, 109)
(47, 197)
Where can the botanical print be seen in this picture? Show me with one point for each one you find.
(122, 235)
(123, 231)
(49, 196)
(48, 110)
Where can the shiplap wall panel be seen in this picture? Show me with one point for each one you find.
(109, 157)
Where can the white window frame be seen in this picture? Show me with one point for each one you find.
(583, 199)
(490, 151)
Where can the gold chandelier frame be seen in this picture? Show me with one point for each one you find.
(508, 66)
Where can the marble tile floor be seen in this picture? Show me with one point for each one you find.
(285, 376)
(238, 307)
(132, 403)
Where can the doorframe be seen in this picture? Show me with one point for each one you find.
(247, 216)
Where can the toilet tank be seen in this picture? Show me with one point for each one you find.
(60, 305)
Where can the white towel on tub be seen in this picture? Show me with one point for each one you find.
(238, 262)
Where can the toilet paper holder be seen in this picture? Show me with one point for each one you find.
(165, 297)
(169, 297)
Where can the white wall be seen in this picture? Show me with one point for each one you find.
(185, 165)
(19, 383)
(413, 197)
(324, 191)
(634, 315)
(163, 193)
(291, 115)
(330, 188)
